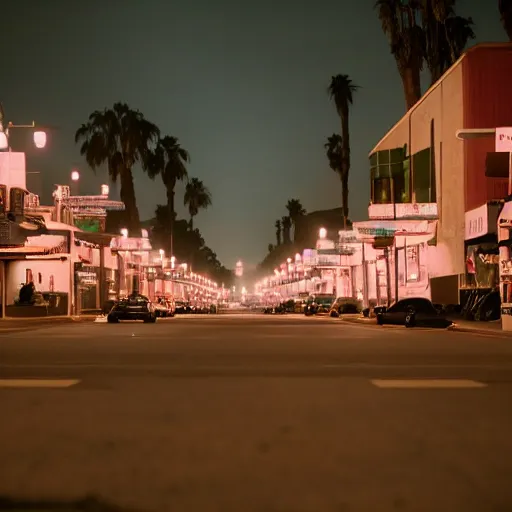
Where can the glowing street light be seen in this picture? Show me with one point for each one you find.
(322, 233)
(39, 136)
(75, 176)
(124, 233)
(40, 139)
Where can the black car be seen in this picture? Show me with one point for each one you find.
(412, 312)
(133, 307)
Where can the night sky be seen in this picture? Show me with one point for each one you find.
(242, 84)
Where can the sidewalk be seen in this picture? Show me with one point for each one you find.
(459, 325)
(8, 325)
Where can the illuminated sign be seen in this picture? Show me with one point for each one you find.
(504, 140)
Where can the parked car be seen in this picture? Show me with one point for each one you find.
(319, 304)
(182, 308)
(133, 307)
(412, 312)
(163, 308)
(278, 309)
(345, 306)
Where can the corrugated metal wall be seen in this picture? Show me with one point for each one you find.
(487, 96)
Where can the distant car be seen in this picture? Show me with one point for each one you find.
(133, 307)
(319, 304)
(412, 312)
(278, 309)
(182, 308)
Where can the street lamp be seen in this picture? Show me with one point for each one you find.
(322, 233)
(39, 136)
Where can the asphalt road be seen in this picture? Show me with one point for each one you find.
(257, 413)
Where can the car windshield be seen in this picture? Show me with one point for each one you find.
(322, 299)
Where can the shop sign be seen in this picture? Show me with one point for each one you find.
(504, 140)
(416, 210)
(381, 211)
(480, 221)
(89, 278)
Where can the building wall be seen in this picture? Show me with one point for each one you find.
(441, 107)
(487, 82)
(16, 272)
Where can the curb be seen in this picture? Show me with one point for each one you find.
(499, 333)
(455, 328)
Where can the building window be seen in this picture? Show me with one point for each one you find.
(382, 191)
(29, 278)
(3, 200)
(17, 202)
(413, 263)
(52, 284)
(424, 187)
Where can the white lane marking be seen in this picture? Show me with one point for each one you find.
(38, 383)
(427, 383)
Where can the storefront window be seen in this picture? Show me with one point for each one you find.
(413, 263)
(17, 201)
(3, 200)
(382, 191)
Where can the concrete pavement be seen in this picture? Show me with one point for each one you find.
(256, 413)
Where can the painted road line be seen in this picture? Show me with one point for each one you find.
(427, 383)
(38, 383)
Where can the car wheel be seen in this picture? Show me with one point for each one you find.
(380, 319)
(410, 320)
(112, 319)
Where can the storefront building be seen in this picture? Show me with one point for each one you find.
(420, 172)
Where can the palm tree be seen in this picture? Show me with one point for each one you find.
(197, 197)
(505, 7)
(446, 35)
(295, 211)
(169, 160)
(120, 137)
(270, 247)
(406, 41)
(278, 232)
(341, 90)
(286, 223)
(333, 148)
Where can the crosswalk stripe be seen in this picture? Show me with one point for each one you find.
(38, 383)
(427, 383)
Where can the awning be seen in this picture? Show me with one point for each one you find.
(23, 252)
(102, 239)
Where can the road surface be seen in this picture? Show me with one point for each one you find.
(256, 413)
